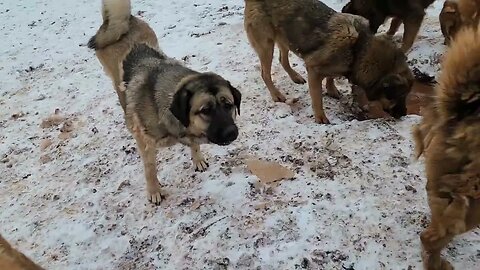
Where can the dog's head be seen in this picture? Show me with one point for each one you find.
(383, 72)
(450, 20)
(207, 105)
(391, 93)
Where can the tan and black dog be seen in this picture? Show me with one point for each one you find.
(164, 102)
(332, 44)
(408, 12)
(12, 259)
(449, 138)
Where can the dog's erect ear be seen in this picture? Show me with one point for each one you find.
(237, 97)
(347, 8)
(394, 86)
(180, 106)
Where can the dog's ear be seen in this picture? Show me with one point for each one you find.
(237, 97)
(180, 106)
(347, 8)
(394, 86)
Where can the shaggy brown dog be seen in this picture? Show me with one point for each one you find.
(448, 137)
(12, 259)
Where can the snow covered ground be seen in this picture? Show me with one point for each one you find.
(72, 195)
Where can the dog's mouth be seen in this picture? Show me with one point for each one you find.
(225, 143)
(224, 136)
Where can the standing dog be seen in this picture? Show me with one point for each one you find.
(331, 44)
(410, 12)
(12, 259)
(448, 137)
(164, 102)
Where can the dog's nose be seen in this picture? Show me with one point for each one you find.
(230, 133)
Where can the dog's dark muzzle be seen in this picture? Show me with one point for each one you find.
(222, 129)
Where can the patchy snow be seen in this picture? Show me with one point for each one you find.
(357, 201)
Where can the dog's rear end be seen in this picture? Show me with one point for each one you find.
(12, 259)
(115, 38)
(448, 136)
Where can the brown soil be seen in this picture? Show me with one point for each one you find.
(418, 98)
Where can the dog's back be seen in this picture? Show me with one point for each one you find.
(291, 22)
(118, 34)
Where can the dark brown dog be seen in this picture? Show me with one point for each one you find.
(408, 12)
(12, 259)
(450, 20)
(448, 137)
(332, 44)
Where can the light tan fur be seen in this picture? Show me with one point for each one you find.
(12, 259)
(448, 137)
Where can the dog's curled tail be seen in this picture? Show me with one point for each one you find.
(458, 91)
(116, 22)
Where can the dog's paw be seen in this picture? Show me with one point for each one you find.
(200, 165)
(298, 79)
(154, 195)
(278, 97)
(334, 94)
(431, 234)
(435, 262)
(321, 119)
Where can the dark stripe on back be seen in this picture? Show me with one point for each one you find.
(134, 58)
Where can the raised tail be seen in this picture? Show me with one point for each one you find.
(116, 22)
(458, 92)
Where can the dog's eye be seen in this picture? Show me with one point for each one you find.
(206, 110)
(228, 106)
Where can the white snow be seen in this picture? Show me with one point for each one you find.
(357, 201)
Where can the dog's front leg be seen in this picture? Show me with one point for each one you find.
(315, 89)
(199, 161)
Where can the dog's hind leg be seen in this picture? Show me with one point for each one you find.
(431, 253)
(264, 46)
(296, 78)
(148, 152)
(199, 161)
(315, 90)
(332, 90)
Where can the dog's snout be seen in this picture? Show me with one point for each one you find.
(230, 133)
(398, 112)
